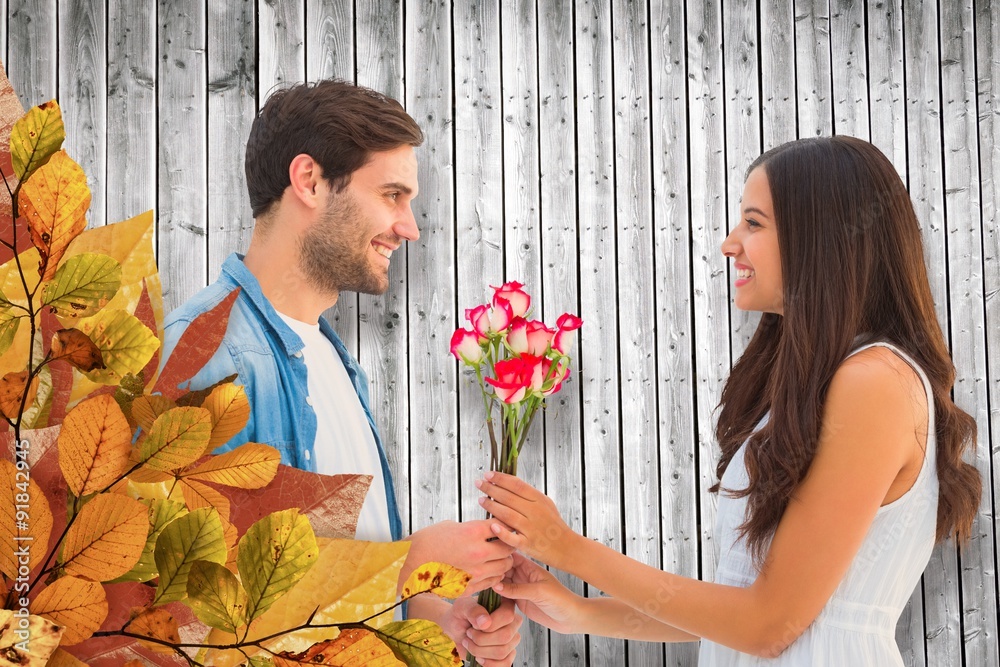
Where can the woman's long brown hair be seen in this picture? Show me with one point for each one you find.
(853, 269)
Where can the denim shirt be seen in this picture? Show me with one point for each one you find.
(267, 357)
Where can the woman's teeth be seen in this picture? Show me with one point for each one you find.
(744, 273)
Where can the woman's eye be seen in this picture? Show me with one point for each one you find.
(752, 223)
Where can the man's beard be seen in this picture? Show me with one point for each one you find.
(333, 254)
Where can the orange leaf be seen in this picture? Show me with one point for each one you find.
(63, 658)
(158, 624)
(146, 408)
(134, 663)
(44, 635)
(29, 525)
(77, 604)
(353, 647)
(232, 537)
(198, 495)
(54, 202)
(196, 346)
(12, 391)
(230, 410)
(94, 445)
(76, 348)
(249, 466)
(107, 538)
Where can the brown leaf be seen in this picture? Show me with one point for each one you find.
(146, 408)
(196, 346)
(75, 347)
(12, 391)
(61, 374)
(94, 445)
(77, 604)
(158, 624)
(10, 112)
(353, 647)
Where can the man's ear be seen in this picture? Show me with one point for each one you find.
(305, 176)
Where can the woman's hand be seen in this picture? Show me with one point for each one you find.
(533, 524)
(540, 596)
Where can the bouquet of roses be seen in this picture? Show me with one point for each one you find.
(518, 363)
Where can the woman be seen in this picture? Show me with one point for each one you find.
(841, 460)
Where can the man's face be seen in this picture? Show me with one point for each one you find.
(349, 246)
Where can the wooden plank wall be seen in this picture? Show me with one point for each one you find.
(594, 150)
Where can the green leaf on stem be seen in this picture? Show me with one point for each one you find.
(125, 343)
(35, 138)
(216, 597)
(9, 322)
(82, 285)
(178, 438)
(195, 536)
(161, 513)
(420, 643)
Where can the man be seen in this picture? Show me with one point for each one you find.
(331, 173)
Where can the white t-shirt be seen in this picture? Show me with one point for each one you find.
(345, 443)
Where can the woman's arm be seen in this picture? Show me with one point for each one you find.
(866, 441)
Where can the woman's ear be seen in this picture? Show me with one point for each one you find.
(305, 176)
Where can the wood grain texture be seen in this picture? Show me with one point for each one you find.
(281, 33)
(812, 68)
(132, 108)
(885, 80)
(182, 176)
(849, 64)
(83, 93)
(32, 50)
(777, 73)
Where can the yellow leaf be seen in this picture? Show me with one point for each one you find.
(351, 579)
(94, 445)
(126, 344)
(82, 285)
(232, 537)
(438, 578)
(353, 647)
(55, 202)
(274, 553)
(421, 642)
(45, 636)
(25, 518)
(178, 438)
(230, 410)
(35, 138)
(63, 658)
(197, 535)
(16, 356)
(12, 386)
(148, 475)
(145, 409)
(106, 539)
(156, 624)
(249, 466)
(198, 495)
(74, 347)
(161, 513)
(215, 596)
(77, 604)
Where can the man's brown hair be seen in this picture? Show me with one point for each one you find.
(335, 122)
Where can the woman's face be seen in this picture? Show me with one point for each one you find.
(753, 245)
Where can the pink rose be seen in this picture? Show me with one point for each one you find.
(512, 293)
(465, 346)
(546, 379)
(529, 337)
(566, 327)
(513, 379)
(486, 320)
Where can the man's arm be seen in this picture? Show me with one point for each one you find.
(492, 638)
(469, 546)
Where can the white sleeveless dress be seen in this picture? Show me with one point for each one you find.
(857, 626)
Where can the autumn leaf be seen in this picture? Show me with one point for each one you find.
(146, 408)
(126, 344)
(195, 347)
(230, 410)
(82, 285)
(45, 636)
(74, 347)
(32, 529)
(195, 536)
(161, 513)
(80, 606)
(55, 202)
(156, 624)
(10, 320)
(61, 658)
(198, 495)
(177, 438)
(35, 138)
(249, 466)
(274, 553)
(94, 445)
(106, 539)
(12, 391)
(439, 578)
(421, 643)
(216, 597)
(354, 647)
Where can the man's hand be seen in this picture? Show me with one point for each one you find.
(492, 638)
(470, 546)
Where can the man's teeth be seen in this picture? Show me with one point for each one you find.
(382, 250)
(744, 273)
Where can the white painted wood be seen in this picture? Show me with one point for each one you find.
(32, 56)
(281, 35)
(383, 318)
(559, 265)
(182, 180)
(777, 72)
(885, 80)
(968, 333)
(850, 68)
(132, 109)
(812, 68)
(599, 371)
(433, 489)
(232, 96)
(83, 93)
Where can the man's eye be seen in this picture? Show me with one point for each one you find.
(392, 195)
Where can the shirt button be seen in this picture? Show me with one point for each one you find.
(298, 355)
(307, 455)
(309, 400)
